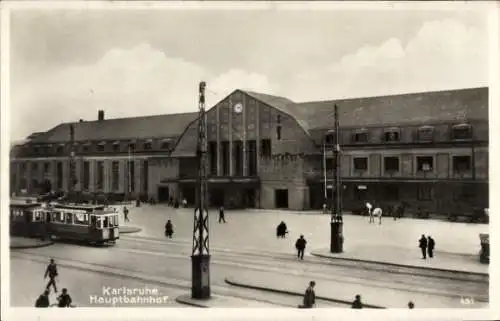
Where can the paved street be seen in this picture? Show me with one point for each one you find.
(255, 229)
(154, 260)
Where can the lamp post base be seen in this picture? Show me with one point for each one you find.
(200, 277)
(336, 237)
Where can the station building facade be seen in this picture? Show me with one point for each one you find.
(429, 150)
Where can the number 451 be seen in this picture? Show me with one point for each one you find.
(466, 301)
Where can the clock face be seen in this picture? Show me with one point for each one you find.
(238, 108)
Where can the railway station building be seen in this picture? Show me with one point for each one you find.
(427, 149)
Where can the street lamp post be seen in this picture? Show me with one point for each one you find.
(336, 221)
(200, 258)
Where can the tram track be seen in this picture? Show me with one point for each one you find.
(287, 265)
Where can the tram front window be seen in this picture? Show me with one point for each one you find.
(93, 222)
(106, 222)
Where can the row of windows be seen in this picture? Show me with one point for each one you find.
(102, 147)
(423, 134)
(423, 193)
(391, 164)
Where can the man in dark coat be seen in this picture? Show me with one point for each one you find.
(357, 304)
(309, 297)
(430, 246)
(64, 299)
(51, 272)
(221, 215)
(43, 300)
(281, 230)
(169, 229)
(423, 246)
(300, 245)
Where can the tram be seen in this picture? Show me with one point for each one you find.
(92, 224)
(27, 219)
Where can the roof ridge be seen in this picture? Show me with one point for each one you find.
(392, 95)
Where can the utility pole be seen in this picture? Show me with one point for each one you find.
(200, 258)
(72, 166)
(336, 222)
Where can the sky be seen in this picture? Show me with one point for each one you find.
(65, 65)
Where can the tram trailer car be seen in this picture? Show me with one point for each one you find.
(27, 219)
(92, 224)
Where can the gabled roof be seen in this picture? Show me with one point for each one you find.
(170, 125)
(426, 107)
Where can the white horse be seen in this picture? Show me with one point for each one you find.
(377, 212)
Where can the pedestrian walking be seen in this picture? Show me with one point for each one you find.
(281, 230)
(309, 297)
(51, 272)
(411, 305)
(125, 214)
(377, 212)
(300, 245)
(430, 246)
(221, 215)
(43, 300)
(64, 299)
(357, 304)
(423, 246)
(169, 229)
(369, 207)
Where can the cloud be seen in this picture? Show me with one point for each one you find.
(442, 55)
(137, 81)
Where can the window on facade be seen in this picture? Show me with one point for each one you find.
(59, 149)
(391, 164)
(116, 147)
(145, 176)
(360, 164)
(46, 167)
(131, 147)
(165, 145)
(392, 135)
(86, 148)
(462, 131)
(131, 176)
(265, 148)
(425, 163)
(36, 150)
(59, 175)
(100, 176)
(23, 167)
(252, 158)
(212, 156)
(148, 145)
(86, 175)
(425, 133)
(100, 147)
(34, 167)
(360, 137)
(424, 193)
(115, 175)
(278, 133)
(461, 164)
(330, 137)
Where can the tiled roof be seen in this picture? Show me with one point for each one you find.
(427, 107)
(171, 125)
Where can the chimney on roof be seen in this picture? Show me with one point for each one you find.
(100, 115)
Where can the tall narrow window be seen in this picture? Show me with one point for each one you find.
(265, 146)
(252, 158)
(212, 156)
(278, 132)
(425, 164)
(391, 164)
(86, 175)
(59, 175)
(100, 176)
(145, 176)
(225, 158)
(131, 176)
(115, 175)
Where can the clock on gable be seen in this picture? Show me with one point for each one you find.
(238, 108)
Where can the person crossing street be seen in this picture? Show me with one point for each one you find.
(51, 272)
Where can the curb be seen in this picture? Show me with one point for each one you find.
(129, 229)
(182, 299)
(21, 247)
(261, 288)
(401, 265)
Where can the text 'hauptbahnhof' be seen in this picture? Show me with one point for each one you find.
(429, 150)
